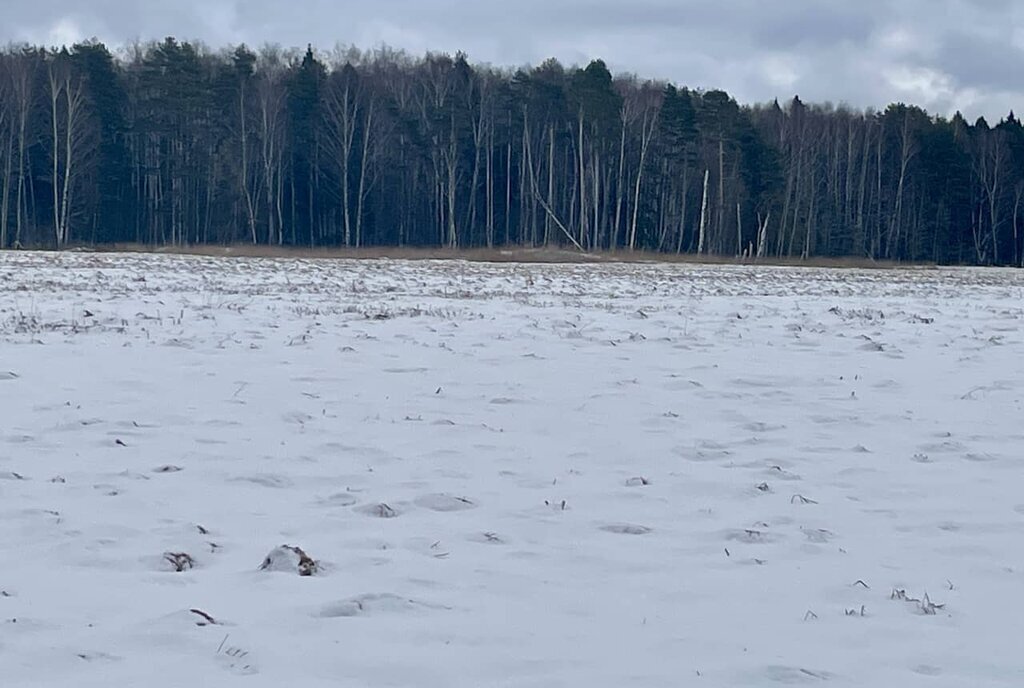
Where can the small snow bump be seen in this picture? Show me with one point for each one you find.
(626, 529)
(444, 502)
(380, 510)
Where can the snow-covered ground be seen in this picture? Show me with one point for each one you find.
(508, 475)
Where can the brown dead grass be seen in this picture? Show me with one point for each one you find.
(496, 255)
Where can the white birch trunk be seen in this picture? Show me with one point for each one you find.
(703, 214)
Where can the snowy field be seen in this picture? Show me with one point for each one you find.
(508, 475)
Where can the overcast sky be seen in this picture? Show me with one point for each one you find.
(941, 54)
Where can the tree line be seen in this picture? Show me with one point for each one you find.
(172, 143)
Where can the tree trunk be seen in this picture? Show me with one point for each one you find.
(646, 134)
(72, 102)
(703, 213)
(23, 98)
(246, 192)
(763, 235)
(551, 182)
(56, 89)
(363, 164)
(5, 194)
(720, 206)
(490, 186)
(739, 230)
(508, 188)
(620, 186)
(683, 207)
(581, 183)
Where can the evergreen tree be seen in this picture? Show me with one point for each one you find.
(304, 116)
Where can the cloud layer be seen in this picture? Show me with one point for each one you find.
(941, 54)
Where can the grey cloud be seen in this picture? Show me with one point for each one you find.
(820, 26)
(981, 64)
(941, 54)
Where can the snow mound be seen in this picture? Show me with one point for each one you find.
(374, 604)
(289, 559)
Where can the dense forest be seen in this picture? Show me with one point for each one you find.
(172, 143)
